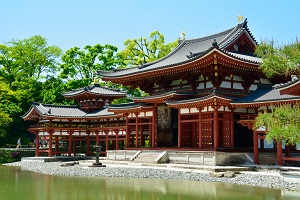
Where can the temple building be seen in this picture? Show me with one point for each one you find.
(203, 96)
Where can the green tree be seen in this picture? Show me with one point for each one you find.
(283, 123)
(7, 107)
(24, 65)
(5, 122)
(279, 60)
(142, 50)
(83, 64)
(28, 58)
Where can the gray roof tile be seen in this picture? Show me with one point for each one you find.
(265, 93)
(95, 89)
(66, 111)
(195, 47)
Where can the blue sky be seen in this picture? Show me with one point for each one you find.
(69, 23)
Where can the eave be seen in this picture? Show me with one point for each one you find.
(293, 88)
(194, 65)
(130, 108)
(210, 100)
(265, 103)
(161, 98)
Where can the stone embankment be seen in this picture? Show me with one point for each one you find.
(268, 180)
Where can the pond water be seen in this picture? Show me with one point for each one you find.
(24, 185)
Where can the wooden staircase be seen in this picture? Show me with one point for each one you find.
(147, 157)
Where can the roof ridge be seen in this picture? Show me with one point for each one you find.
(57, 106)
(210, 36)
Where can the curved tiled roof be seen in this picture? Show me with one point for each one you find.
(189, 50)
(212, 95)
(245, 57)
(130, 105)
(289, 83)
(65, 111)
(265, 93)
(94, 89)
(166, 94)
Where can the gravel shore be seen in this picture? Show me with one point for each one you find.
(268, 180)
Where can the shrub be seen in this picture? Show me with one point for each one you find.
(5, 157)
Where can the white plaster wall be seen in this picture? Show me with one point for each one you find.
(251, 110)
(237, 78)
(194, 110)
(175, 82)
(200, 86)
(200, 78)
(242, 110)
(265, 81)
(238, 86)
(149, 113)
(184, 110)
(142, 114)
(253, 87)
(210, 108)
(225, 84)
(227, 109)
(227, 78)
(209, 84)
(262, 108)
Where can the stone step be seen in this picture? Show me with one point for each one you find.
(147, 157)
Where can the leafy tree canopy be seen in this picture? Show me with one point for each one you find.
(142, 50)
(80, 64)
(283, 123)
(7, 107)
(279, 60)
(28, 58)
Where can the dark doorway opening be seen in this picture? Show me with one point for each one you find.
(243, 137)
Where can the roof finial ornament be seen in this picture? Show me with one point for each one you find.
(183, 33)
(215, 44)
(95, 81)
(240, 18)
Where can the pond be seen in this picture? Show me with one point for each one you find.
(26, 185)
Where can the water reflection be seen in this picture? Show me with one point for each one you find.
(18, 184)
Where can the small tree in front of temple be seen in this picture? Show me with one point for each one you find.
(282, 123)
(281, 60)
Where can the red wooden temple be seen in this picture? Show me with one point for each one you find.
(204, 96)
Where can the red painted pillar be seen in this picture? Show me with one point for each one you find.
(136, 130)
(70, 143)
(88, 143)
(232, 129)
(255, 147)
(127, 132)
(154, 130)
(200, 128)
(106, 141)
(279, 152)
(37, 143)
(50, 144)
(117, 139)
(97, 137)
(216, 129)
(179, 128)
